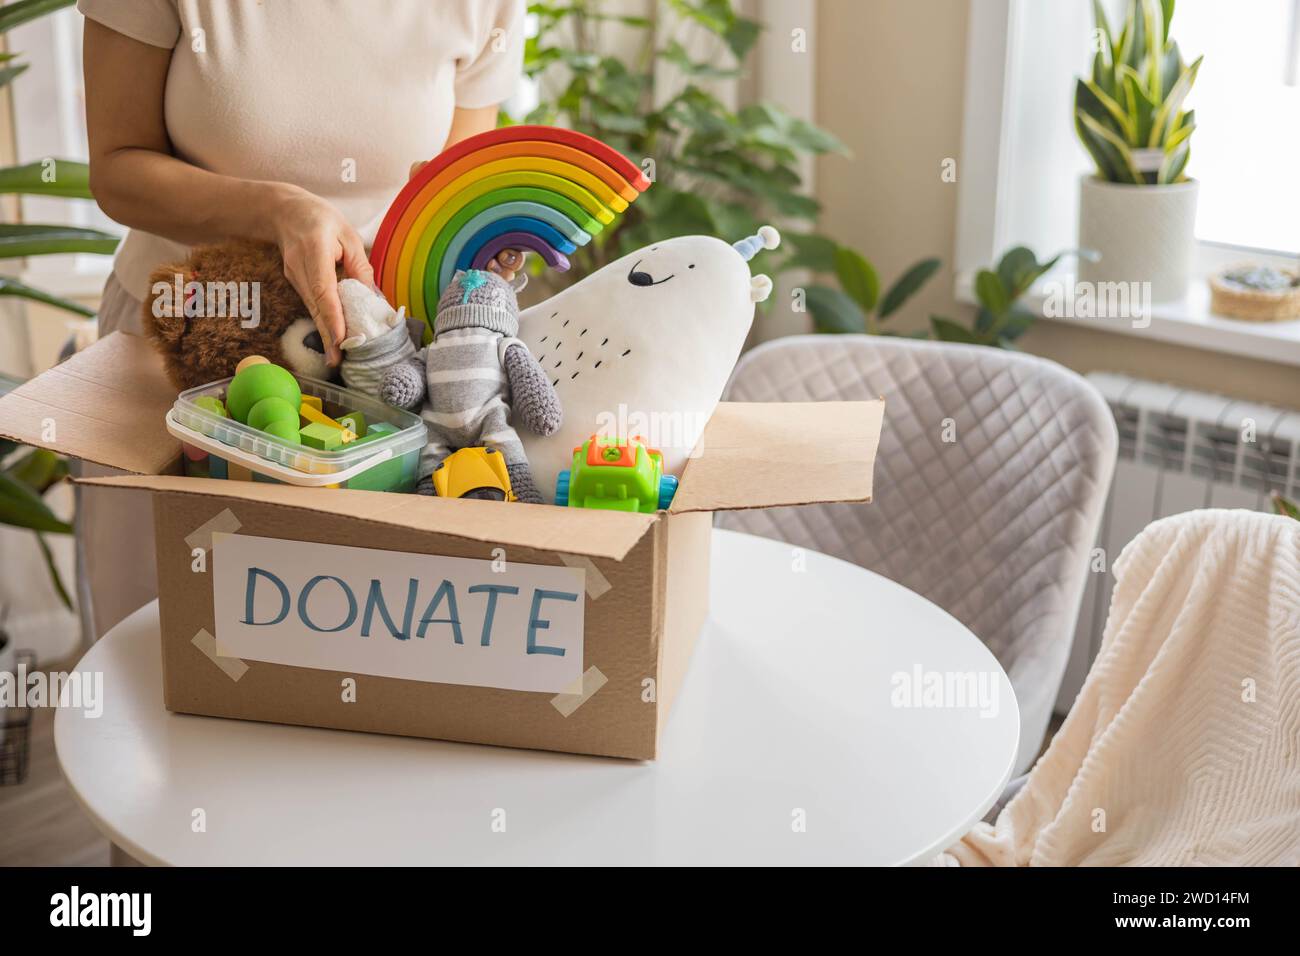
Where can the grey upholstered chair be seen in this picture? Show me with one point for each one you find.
(990, 481)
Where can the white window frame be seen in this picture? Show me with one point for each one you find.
(994, 82)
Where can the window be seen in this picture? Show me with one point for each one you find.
(1022, 161)
(1247, 100)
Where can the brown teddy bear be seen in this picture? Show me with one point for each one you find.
(234, 302)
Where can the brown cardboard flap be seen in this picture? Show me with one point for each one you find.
(596, 534)
(768, 454)
(105, 404)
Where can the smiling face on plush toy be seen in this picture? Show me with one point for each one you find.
(644, 345)
(691, 296)
(664, 262)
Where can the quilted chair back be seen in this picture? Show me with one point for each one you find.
(990, 480)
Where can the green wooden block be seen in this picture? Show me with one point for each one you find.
(354, 422)
(376, 431)
(321, 437)
(212, 404)
(396, 474)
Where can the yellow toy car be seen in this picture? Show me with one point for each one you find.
(473, 473)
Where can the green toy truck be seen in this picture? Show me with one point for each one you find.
(615, 474)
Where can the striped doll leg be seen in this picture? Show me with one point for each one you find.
(498, 433)
(434, 451)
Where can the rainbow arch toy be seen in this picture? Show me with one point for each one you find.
(541, 188)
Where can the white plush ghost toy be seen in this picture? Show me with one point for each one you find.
(367, 313)
(644, 346)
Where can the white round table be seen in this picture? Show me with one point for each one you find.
(790, 743)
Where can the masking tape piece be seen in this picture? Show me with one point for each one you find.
(224, 523)
(580, 691)
(233, 666)
(597, 583)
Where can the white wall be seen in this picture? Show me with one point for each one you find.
(889, 84)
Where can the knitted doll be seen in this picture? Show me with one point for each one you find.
(469, 380)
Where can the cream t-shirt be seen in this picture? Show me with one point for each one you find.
(336, 96)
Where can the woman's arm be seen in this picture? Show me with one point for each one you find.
(464, 124)
(467, 123)
(138, 182)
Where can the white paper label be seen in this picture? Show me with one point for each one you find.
(392, 614)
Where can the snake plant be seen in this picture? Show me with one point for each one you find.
(1129, 112)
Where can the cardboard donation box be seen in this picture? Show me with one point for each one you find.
(518, 625)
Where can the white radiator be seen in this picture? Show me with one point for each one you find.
(1179, 450)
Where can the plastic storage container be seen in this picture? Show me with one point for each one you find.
(217, 447)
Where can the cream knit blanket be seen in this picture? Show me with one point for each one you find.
(1183, 747)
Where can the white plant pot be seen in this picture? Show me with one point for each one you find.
(1141, 233)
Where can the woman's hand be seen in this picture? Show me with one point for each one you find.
(507, 262)
(313, 238)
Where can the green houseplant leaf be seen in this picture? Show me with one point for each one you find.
(908, 284)
(1000, 320)
(811, 251)
(9, 73)
(1103, 31)
(990, 291)
(1012, 324)
(33, 240)
(1135, 28)
(857, 278)
(1140, 105)
(63, 177)
(1015, 268)
(1019, 269)
(946, 330)
(16, 14)
(1103, 156)
(12, 287)
(1174, 162)
(55, 578)
(1172, 67)
(1173, 102)
(39, 469)
(1117, 151)
(22, 507)
(833, 311)
(1102, 107)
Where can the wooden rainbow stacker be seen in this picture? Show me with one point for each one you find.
(540, 188)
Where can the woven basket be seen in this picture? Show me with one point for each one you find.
(1254, 305)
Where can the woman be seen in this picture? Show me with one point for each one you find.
(295, 122)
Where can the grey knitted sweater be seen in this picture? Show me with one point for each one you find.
(363, 367)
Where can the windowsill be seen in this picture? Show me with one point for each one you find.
(1188, 323)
